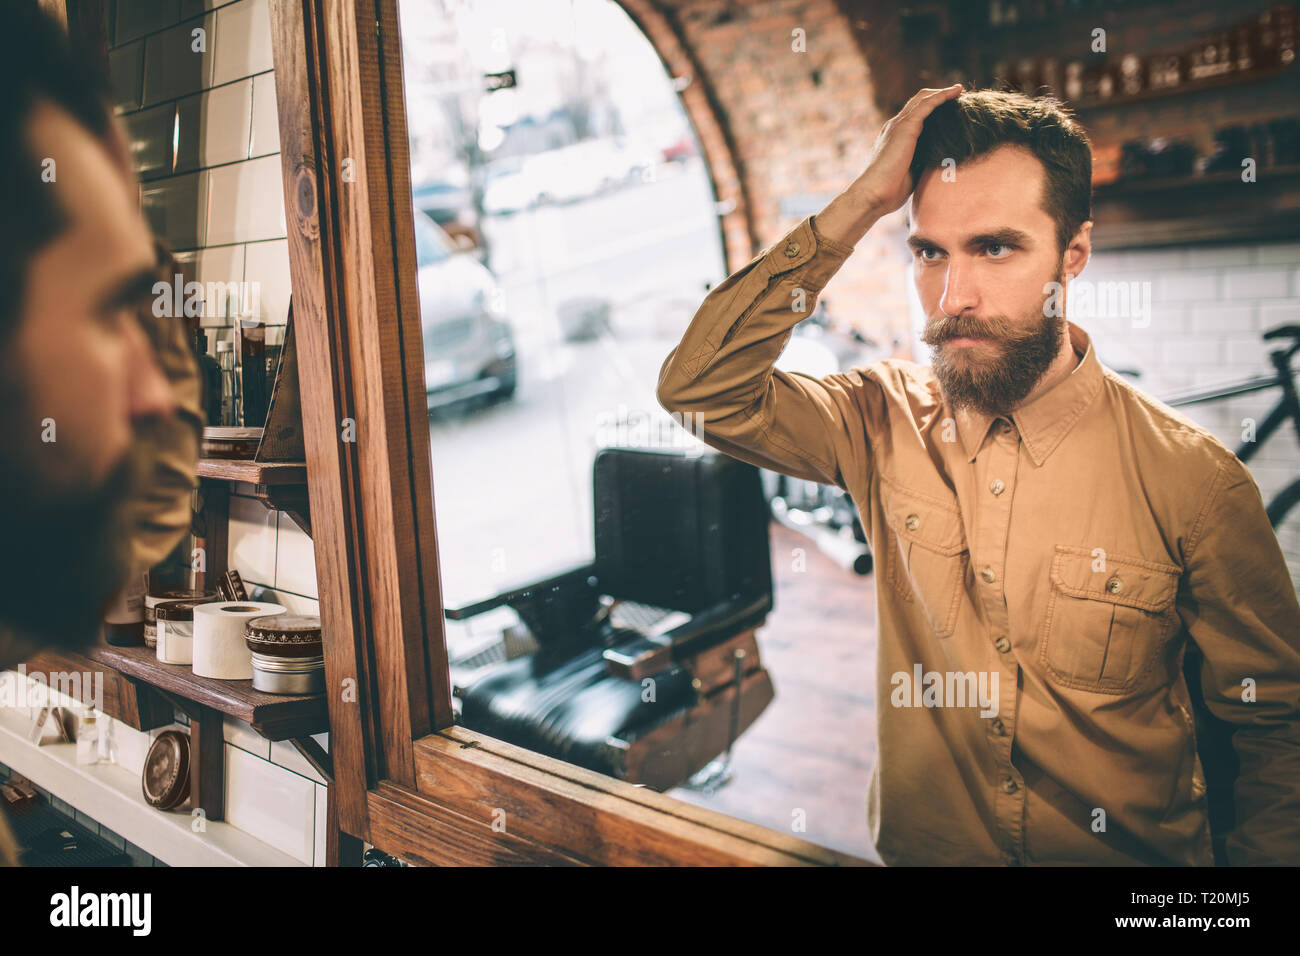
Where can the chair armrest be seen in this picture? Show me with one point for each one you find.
(650, 654)
(522, 593)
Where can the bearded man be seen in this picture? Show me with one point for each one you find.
(1040, 526)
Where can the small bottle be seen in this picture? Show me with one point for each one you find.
(88, 737)
(210, 376)
(229, 386)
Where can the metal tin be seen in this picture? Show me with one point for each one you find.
(284, 635)
(288, 675)
(166, 777)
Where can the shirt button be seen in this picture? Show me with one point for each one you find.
(988, 575)
(1009, 785)
(1002, 644)
(791, 249)
(1114, 585)
(999, 727)
(996, 486)
(912, 522)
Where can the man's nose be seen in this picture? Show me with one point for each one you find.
(959, 291)
(149, 392)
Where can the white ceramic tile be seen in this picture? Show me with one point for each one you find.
(267, 271)
(129, 746)
(227, 116)
(297, 604)
(177, 62)
(295, 566)
(266, 120)
(241, 735)
(216, 267)
(322, 824)
(243, 44)
(135, 19)
(176, 209)
(246, 202)
(252, 540)
(271, 804)
(286, 755)
(126, 74)
(150, 135)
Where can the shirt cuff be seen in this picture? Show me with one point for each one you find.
(837, 247)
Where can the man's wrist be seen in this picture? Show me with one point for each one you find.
(850, 215)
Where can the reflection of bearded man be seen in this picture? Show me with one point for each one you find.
(100, 411)
(995, 376)
(68, 551)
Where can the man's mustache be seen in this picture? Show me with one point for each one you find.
(997, 328)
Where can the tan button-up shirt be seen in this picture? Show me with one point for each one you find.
(1038, 576)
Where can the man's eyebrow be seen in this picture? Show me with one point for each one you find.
(130, 290)
(1004, 236)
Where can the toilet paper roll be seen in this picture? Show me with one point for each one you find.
(219, 648)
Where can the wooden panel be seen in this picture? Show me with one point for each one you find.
(309, 166)
(592, 817)
(124, 700)
(421, 831)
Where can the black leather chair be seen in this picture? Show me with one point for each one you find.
(681, 532)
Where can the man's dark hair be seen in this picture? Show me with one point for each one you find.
(978, 122)
(37, 61)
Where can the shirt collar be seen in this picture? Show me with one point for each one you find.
(1047, 419)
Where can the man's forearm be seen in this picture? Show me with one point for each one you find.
(850, 215)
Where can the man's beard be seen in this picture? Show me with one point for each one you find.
(68, 553)
(994, 386)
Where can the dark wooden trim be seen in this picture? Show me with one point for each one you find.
(136, 705)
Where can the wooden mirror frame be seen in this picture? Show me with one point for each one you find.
(407, 779)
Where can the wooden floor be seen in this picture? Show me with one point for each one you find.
(813, 748)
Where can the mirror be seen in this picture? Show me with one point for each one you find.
(601, 566)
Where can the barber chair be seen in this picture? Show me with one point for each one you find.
(649, 705)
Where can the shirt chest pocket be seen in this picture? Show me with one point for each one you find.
(930, 555)
(1108, 620)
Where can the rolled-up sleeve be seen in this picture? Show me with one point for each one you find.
(722, 381)
(1242, 612)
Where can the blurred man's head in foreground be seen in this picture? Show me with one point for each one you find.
(1001, 209)
(78, 380)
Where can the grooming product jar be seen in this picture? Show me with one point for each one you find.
(175, 623)
(152, 601)
(124, 619)
(288, 654)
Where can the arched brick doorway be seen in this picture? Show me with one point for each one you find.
(786, 106)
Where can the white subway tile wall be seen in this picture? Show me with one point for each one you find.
(1210, 306)
(200, 108)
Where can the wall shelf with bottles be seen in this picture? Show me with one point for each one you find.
(1174, 96)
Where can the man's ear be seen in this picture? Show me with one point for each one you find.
(1079, 251)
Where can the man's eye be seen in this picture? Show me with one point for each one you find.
(924, 254)
(994, 247)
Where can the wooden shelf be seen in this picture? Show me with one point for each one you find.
(1126, 188)
(274, 716)
(1235, 78)
(254, 472)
